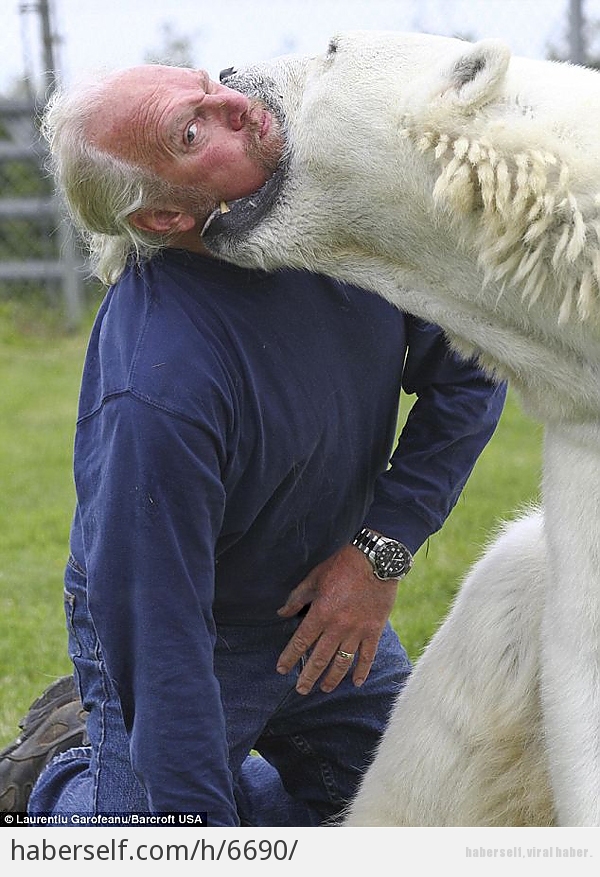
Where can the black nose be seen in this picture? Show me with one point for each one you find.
(225, 74)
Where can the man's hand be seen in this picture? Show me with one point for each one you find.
(349, 609)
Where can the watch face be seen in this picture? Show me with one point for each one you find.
(391, 561)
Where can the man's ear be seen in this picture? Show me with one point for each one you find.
(162, 221)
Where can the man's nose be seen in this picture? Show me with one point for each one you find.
(230, 103)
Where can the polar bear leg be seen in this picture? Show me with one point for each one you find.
(571, 622)
(464, 745)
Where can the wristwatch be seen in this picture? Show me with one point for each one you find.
(389, 559)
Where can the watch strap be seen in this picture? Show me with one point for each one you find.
(389, 558)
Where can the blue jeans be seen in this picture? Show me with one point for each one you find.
(314, 747)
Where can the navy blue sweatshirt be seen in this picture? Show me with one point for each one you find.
(235, 429)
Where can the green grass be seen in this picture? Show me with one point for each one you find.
(39, 378)
(39, 374)
(505, 481)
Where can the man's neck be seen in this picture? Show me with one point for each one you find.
(190, 240)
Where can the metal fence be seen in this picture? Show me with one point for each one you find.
(37, 252)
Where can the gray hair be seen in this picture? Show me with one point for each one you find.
(100, 190)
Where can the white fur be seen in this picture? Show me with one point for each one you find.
(464, 743)
(464, 186)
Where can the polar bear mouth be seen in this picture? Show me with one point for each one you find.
(236, 219)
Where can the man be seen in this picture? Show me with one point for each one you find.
(239, 536)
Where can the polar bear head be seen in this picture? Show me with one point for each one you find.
(344, 114)
(427, 157)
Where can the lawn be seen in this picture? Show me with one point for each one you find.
(40, 370)
(504, 482)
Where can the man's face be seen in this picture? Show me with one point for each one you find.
(189, 130)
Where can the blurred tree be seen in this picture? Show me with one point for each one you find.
(591, 43)
(175, 49)
(580, 42)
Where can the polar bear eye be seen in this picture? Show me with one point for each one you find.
(225, 74)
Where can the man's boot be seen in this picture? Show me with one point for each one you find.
(55, 722)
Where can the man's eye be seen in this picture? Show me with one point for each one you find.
(191, 132)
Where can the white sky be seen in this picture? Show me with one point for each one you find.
(118, 33)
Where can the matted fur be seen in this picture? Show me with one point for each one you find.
(532, 224)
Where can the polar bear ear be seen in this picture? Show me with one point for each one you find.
(476, 77)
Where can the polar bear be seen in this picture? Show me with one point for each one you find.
(464, 744)
(463, 185)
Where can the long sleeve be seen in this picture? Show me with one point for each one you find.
(454, 416)
(152, 501)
